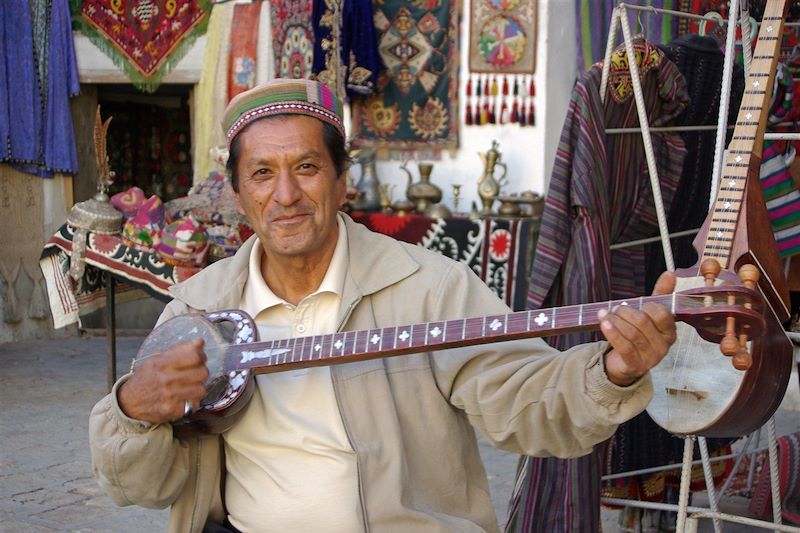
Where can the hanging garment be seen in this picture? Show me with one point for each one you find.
(345, 49)
(641, 443)
(38, 75)
(599, 195)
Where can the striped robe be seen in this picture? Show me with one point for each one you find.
(599, 194)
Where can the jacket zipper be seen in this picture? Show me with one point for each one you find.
(346, 428)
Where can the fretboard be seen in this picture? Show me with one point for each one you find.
(744, 150)
(349, 346)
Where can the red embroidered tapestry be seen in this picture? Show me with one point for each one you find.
(145, 38)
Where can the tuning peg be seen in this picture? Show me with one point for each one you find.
(749, 275)
(742, 360)
(710, 269)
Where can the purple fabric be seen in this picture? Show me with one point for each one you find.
(35, 117)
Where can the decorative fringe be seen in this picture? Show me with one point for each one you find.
(147, 84)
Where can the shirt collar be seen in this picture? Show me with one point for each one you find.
(257, 294)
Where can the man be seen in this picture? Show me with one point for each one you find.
(381, 445)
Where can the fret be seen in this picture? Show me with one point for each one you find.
(641, 302)
(747, 123)
(553, 318)
(294, 347)
(529, 320)
(674, 295)
(463, 328)
(427, 326)
(768, 38)
(483, 328)
(732, 219)
(720, 239)
(444, 334)
(395, 338)
(759, 92)
(743, 152)
(580, 315)
(715, 254)
(505, 325)
(330, 349)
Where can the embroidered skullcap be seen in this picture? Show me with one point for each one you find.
(282, 96)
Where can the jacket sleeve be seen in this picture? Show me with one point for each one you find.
(525, 396)
(133, 461)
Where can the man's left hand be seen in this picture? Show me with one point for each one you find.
(639, 338)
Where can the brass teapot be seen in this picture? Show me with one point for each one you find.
(423, 193)
(488, 184)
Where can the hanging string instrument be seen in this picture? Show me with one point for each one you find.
(730, 390)
(234, 355)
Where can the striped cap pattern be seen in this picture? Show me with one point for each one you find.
(282, 96)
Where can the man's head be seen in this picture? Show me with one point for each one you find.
(288, 159)
(281, 97)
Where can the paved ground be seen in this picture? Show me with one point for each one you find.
(47, 389)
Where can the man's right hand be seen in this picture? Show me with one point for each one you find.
(158, 390)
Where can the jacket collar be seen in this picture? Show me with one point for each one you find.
(380, 261)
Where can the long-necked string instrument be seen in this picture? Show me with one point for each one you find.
(233, 355)
(697, 389)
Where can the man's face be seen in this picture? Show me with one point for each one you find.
(288, 187)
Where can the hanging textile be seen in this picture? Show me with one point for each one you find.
(502, 36)
(22, 213)
(38, 75)
(593, 18)
(416, 103)
(146, 38)
(211, 94)
(292, 38)
(243, 46)
(599, 194)
(345, 51)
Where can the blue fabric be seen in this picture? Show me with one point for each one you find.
(35, 118)
(357, 46)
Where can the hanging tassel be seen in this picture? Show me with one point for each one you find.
(492, 116)
(531, 114)
(468, 118)
(505, 86)
(485, 114)
(514, 112)
(532, 90)
(494, 86)
(476, 114)
(504, 113)
(486, 86)
(523, 118)
(516, 86)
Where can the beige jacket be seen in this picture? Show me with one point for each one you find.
(410, 419)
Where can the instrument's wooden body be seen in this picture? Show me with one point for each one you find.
(696, 389)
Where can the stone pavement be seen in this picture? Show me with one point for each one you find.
(47, 389)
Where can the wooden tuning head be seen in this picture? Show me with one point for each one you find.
(742, 360)
(749, 275)
(729, 345)
(710, 269)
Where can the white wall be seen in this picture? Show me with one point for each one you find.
(528, 152)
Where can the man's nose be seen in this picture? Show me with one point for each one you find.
(287, 190)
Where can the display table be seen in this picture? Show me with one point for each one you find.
(498, 250)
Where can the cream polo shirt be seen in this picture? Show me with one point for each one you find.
(290, 465)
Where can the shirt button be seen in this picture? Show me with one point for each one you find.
(301, 328)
